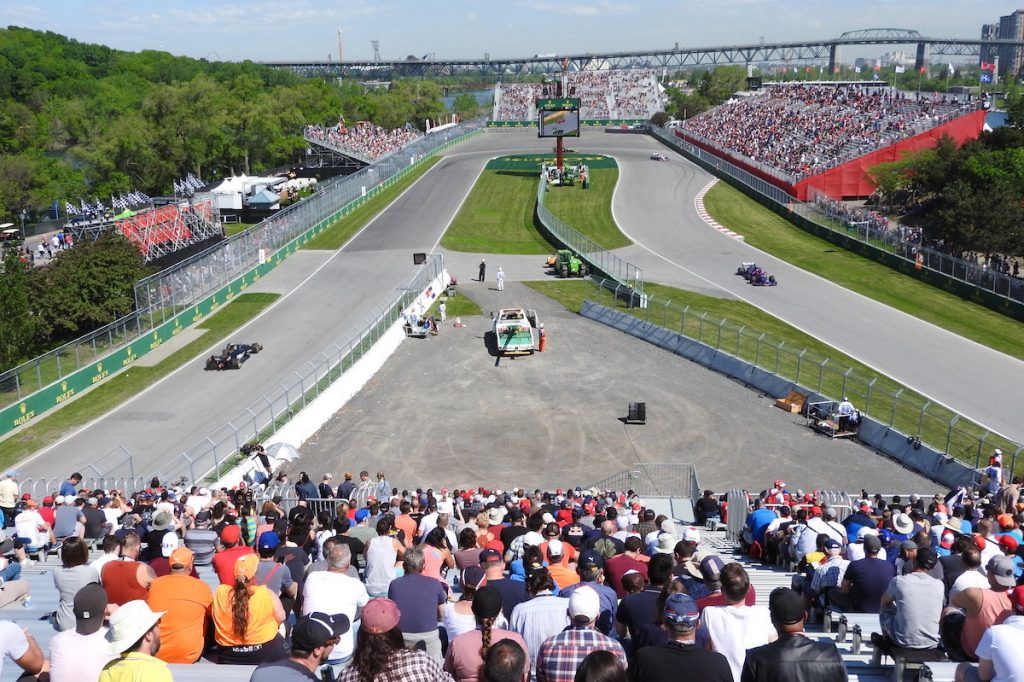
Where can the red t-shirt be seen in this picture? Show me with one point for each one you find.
(617, 566)
(224, 563)
(718, 599)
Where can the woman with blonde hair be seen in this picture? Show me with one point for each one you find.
(483, 530)
(246, 618)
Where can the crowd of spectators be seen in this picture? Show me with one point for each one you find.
(944, 574)
(607, 94)
(802, 130)
(364, 139)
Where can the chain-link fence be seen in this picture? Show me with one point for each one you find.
(596, 255)
(165, 294)
(901, 243)
(879, 397)
(671, 479)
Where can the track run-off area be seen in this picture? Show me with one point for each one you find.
(324, 294)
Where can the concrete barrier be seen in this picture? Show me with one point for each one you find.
(886, 440)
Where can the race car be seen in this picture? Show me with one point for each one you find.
(233, 355)
(756, 275)
(658, 156)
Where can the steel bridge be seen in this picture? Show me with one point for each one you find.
(820, 52)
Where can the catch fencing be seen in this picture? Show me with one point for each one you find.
(892, 247)
(671, 479)
(880, 398)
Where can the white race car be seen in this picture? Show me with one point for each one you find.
(658, 156)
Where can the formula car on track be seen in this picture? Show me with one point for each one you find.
(233, 355)
(756, 275)
(658, 156)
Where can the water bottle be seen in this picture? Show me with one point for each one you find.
(27, 603)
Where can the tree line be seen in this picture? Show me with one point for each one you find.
(85, 120)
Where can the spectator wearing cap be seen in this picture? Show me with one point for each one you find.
(859, 518)
(68, 520)
(9, 497)
(865, 581)
(128, 579)
(185, 601)
(326, 488)
(980, 608)
(202, 540)
(335, 591)
(467, 651)
(161, 565)
(666, 662)
(1010, 547)
(246, 618)
(30, 525)
(1008, 527)
(271, 573)
(81, 653)
(421, 600)
(561, 655)
(543, 616)
(560, 571)
(792, 657)
(911, 607)
(513, 592)
(313, 640)
(735, 627)
(827, 574)
(96, 524)
(232, 548)
(135, 639)
(361, 528)
(457, 616)
(380, 651)
(347, 487)
(999, 650)
(590, 568)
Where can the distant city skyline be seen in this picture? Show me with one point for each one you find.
(305, 30)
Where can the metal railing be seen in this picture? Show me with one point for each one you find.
(600, 259)
(878, 397)
(671, 479)
(161, 296)
(889, 241)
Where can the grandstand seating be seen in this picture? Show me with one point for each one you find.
(615, 95)
(363, 141)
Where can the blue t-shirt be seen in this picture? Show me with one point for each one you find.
(512, 592)
(609, 604)
(758, 521)
(870, 577)
(637, 610)
(67, 489)
(417, 597)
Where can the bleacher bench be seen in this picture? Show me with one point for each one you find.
(906, 658)
(853, 625)
(938, 672)
(204, 671)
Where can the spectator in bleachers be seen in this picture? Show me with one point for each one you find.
(365, 139)
(665, 662)
(999, 650)
(506, 662)
(561, 571)
(202, 540)
(979, 609)
(792, 657)
(335, 591)
(590, 568)
(30, 525)
(629, 560)
(707, 507)
(512, 592)
(380, 651)
(73, 575)
(135, 639)
(466, 652)
(637, 611)
(81, 653)
(735, 627)
(911, 607)
(561, 655)
(68, 519)
(421, 600)
(544, 615)
(185, 601)
(111, 552)
(313, 640)
(231, 550)
(382, 554)
(246, 618)
(127, 579)
(864, 582)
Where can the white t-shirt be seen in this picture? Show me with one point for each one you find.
(75, 657)
(335, 593)
(734, 629)
(969, 578)
(855, 551)
(102, 561)
(1001, 644)
(26, 525)
(13, 642)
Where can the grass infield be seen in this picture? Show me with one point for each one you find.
(131, 381)
(768, 231)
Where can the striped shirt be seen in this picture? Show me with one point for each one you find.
(561, 655)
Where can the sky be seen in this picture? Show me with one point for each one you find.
(306, 30)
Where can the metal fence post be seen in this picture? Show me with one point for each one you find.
(892, 413)
(778, 352)
(920, 419)
(821, 374)
(846, 375)
(799, 363)
(949, 432)
(700, 331)
(867, 400)
(739, 332)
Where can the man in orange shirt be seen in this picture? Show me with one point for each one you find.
(233, 548)
(185, 602)
(406, 523)
(560, 571)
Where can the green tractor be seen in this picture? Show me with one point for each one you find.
(568, 264)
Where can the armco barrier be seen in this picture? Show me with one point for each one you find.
(55, 394)
(887, 440)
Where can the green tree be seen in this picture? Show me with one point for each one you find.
(466, 106)
(1015, 107)
(15, 311)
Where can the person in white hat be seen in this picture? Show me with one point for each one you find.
(561, 655)
(134, 638)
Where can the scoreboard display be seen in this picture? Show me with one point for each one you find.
(558, 117)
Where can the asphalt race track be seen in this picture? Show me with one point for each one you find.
(325, 293)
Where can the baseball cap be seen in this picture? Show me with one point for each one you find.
(182, 556)
(380, 615)
(269, 540)
(666, 544)
(489, 554)
(590, 559)
(168, 544)
(691, 534)
(472, 576)
(555, 547)
(1000, 568)
(1008, 542)
(908, 545)
(362, 514)
(786, 606)
(710, 568)
(1005, 521)
(830, 513)
(246, 566)
(927, 558)
(946, 541)
(872, 543)
(317, 629)
(584, 602)
(231, 533)
(681, 609)
(1017, 600)
(89, 606)
(832, 543)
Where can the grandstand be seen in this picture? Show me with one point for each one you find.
(156, 231)
(800, 136)
(604, 95)
(364, 142)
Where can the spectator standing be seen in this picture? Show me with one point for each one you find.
(9, 497)
(81, 653)
(543, 616)
(500, 278)
(466, 652)
(793, 657)
(346, 488)
(664, 663)
(381, 654)
(305, 489)
(334, 591)
(246, 618)
(185, 602)
(561, 655)
(73, 575)
(135, 639)
(420, 600)
(482, 269)
(314, 638)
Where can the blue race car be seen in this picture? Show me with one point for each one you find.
(233, 356)
(756, 275)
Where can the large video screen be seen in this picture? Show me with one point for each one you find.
(558, 117)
